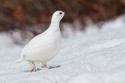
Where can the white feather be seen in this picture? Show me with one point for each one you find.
(44, 46)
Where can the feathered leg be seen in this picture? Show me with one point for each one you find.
(44, 66)
(33, 67)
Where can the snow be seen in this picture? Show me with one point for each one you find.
(94, 56)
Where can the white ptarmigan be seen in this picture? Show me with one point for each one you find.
(46, 45)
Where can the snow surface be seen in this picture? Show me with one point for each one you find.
(93, 56)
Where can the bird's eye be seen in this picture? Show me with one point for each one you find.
(60, 13)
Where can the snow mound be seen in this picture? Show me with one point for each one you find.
(97, 57)
(5, 40)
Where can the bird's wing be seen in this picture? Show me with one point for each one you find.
(38, 42)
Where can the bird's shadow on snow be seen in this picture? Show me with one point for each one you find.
(38, 69)
(51, 67)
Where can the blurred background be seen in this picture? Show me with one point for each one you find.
(34, 15)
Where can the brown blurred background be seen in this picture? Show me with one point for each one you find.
(24, 14)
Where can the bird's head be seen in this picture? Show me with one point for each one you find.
(57, 16)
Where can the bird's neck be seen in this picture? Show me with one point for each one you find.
(55, 23)
(54, 26)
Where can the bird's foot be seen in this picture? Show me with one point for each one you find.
(33, 70)
(33, 67)
(44, 68)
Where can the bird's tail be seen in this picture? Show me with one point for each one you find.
(19, 60)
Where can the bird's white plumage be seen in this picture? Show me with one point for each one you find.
(45, 46)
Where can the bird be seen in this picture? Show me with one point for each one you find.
(45, 46)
